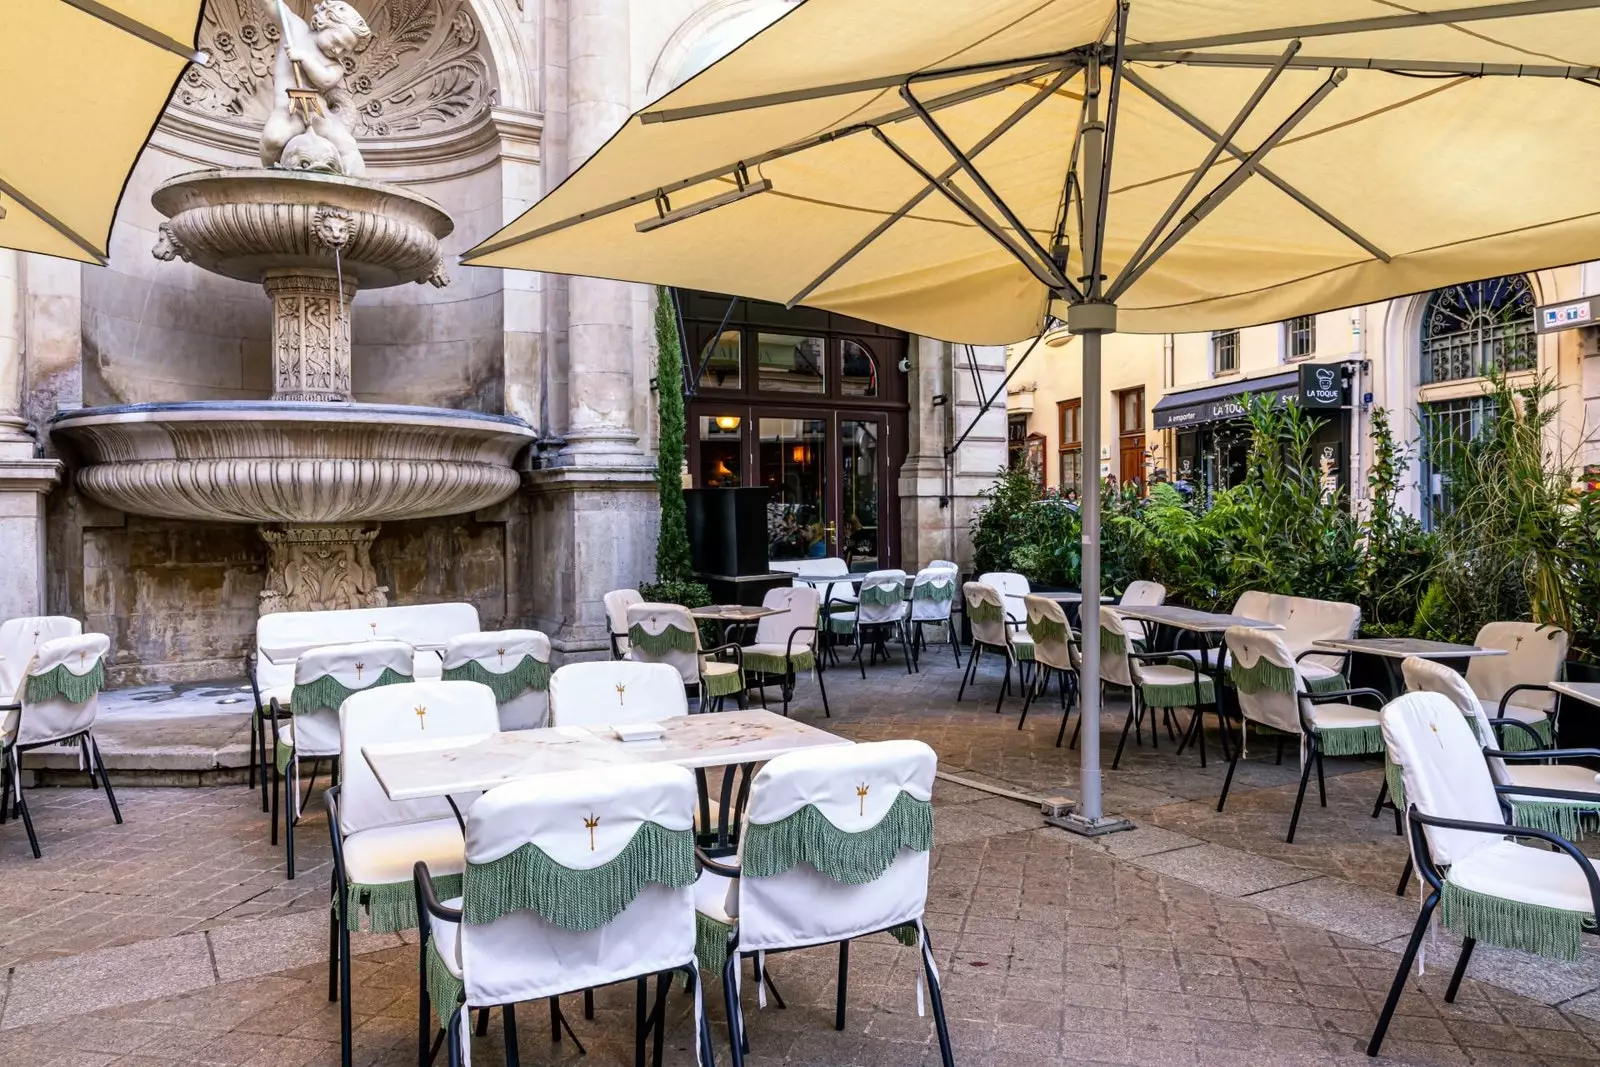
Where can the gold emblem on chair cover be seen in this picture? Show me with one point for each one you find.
(422, 712)
(359, 668)
(589, 824)
(621, 689)
(861, 795)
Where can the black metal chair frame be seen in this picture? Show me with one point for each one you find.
(761, 680)
(1136, 707)
(12, 794)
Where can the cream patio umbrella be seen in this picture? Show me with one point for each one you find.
(83, 82)
(971, 171)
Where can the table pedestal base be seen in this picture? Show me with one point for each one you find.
(1086, 827)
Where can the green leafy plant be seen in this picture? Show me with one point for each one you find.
(672, 543)
(1399, 553)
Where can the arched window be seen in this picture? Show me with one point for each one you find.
(1472, 329)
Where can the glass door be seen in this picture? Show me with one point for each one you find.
(863, 472)
(793, 461)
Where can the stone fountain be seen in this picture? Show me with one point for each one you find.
(316, 472)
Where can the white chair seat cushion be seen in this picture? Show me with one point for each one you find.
(312, 735)
(445, 935)
(1343, 717)
(716, 897)
(1314, 672)
(1569, 776)
(1531, 716)
(1527, 875)
(387, 854)
(1165, 681)
(777, 650)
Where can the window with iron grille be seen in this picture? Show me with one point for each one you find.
(1470, 330)
(1224, 352)
(1447, 427)
(1301, 334)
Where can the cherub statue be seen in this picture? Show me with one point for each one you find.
(308, 62)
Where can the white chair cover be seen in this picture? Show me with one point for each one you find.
(1444, 771)
(415, 624)
(933, 593)
(1534, 653)
(1267, 704)
(20, 639)
(1254, 604)
(615, 691)
(882, 598)
(798, 606)
(829, 567)
(1426, 676)
(618, 601)
(943, 565)
(853, 789)
(58, 716)
(986, 614)
(1143, 594)
(325, 677)
(1115, 644)
(513, 663)
(1052, 636)
(680, 638)
(580, 820)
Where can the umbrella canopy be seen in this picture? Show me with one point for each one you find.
(83, 83)
(1456, 140)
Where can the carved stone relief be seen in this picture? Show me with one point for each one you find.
(423, 70)
(321, 568)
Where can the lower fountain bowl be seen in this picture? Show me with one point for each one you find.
(275, 461)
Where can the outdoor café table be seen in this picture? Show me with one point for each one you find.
(731, 615)
(1390, 651)
(1070, 599)
(281, 655)
(1587, 692)
(1209, 626)
(411, 770)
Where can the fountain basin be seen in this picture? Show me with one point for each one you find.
(247, 224)
(291, 462)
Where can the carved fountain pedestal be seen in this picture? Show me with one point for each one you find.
(314, 471)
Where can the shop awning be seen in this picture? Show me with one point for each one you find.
(1213, 403)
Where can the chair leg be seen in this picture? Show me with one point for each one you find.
(1467, 945)
(641, 1015)
(1322, 786)
(588, 1004)
(1133, 711)
(105, 778)
(730, 997)
(424, 1008)
(19, 803)
(483, 1023)
(346, 1024)
(5, 785)
(1005, 685)
(1383, 794)
(823, 689)
(861, 661)
(1300, 797)
(290, 794)
(1405, 878)
(277, 788)
(936, 999)
(508, 1020)
(972, 662)
(453, 1039)
(955, 641)
(1407, 958)
(334, 955)
(1227, 780)
(1027, 699)
(844, 981)
(658, 1038)
(905, 649)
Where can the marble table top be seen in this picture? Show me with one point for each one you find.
(1071, 596)
(1401, 647)
(1588, 692)
(411, 770)
(285, 654)
(732, 613)
(1190, 619)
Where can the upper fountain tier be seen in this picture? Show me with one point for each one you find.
(250, 224)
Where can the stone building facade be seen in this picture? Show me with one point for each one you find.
(481, 106)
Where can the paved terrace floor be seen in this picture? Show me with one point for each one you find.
(1196, 939)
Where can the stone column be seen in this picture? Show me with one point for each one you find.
(595, 512)
(24, 477)
(310, 334)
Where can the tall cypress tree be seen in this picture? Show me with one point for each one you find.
(672, 546)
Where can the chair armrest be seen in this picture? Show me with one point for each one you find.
(1330, 653)
(1503, 830)
(731, 646)
(722, 870)
(1519, 724)
(429, 899)
(1585, 796)
(1167, 658)
(788, 648)
(1505, 697)
(616, 649)
(1344, 695)
(1546, 753)
(330, 801)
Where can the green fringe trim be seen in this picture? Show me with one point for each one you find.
(529, 673)
(723, 685)
(1518, 741)
(905, 933)
(1330, 684)
(1396, 781)
(58, 681)
(282, 755)
(1022, 649)
(711, 943)
(392, 906)
(1264, 675)
(1114, 643)
(329, 692)
(848, 858)
(773, 663)
(882, 594)
(1045, 631)
(671, 639)
(842, 624)
(930, 591)
(1549, 932)
(985, 612)
(445, 990)
(529, 880)
(1351, 741)
(1568, 818)
(1178, 695)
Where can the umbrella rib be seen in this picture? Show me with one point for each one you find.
(905, 209)
(1212, 200)
(148, 34)
(1201, 127)
(965, 163)
(1093, 283)
(1217, 145)
(1049, 61)
(978, 216)
(959, 96)
(54, 223)
(1518, 8)
(1396, 66)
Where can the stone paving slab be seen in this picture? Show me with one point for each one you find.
(1367, 915)
(1227, 871)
